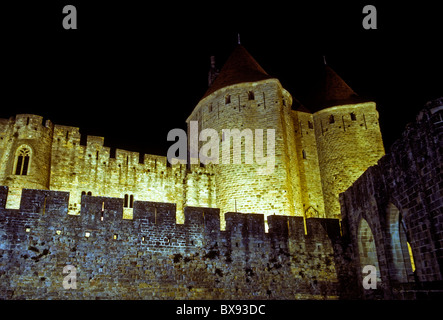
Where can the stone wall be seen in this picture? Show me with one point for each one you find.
(259, 105)
(35, 134)
(61, 159)
(348, 142)
(307, 154)
(97, 169)
(398, 203)
(152, 257)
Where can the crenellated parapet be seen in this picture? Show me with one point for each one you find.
(151, 255)
(84, 165)
(158, 220)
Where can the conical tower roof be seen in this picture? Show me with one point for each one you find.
(331, 90)
(240, 67)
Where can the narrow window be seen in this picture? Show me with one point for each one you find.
(228, 99)
(251, 95)
(304, 154)
(126, 201)
(131, 201)
(264, 101)
(22, 162)
(112, 153)
(331, 119)
(353, 116)
(18, 169)
(25, 165)
(210, 107)
(310, 125)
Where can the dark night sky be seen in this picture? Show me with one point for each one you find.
(133, 72)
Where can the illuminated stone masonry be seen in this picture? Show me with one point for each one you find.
(318, 153)
(135, 227)
(60, 160)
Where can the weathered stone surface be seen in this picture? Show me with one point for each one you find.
(399, 203)
(152, 257)
(136, 227)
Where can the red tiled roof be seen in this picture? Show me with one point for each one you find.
(332, 90)
(240, 67)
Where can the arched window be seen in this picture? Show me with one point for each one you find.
(23, 157)
(125, 204)
(366, 247)
(402, 265)
(251, 95)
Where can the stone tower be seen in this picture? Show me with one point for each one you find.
(245, 97)
(348, 137)
(25, 155)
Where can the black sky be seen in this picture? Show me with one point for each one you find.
(131, 72)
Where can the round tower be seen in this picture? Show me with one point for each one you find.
(348, 137)
(26, 162)
(242, 102)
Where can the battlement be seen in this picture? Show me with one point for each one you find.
(34, 121)
(30, 123)
(69, 142)
(98, 213)
(93, 147)
(151, 251)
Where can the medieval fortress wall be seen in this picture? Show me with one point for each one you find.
(393, 214)
(136, 227)
(58, 161)
(314, 160)
(152, 257)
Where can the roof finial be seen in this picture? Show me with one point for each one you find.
(212, 62)
(238, 38)
(324, 59)
(213, 72)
